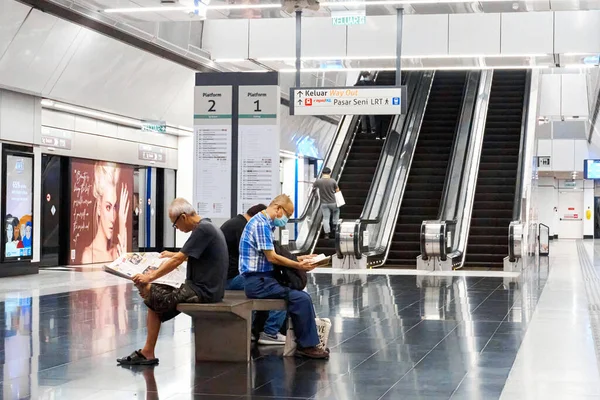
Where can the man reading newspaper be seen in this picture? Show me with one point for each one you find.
(207, 262)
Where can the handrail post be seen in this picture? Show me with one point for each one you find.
(399, 24)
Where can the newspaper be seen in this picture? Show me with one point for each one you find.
(132, 264)
(320, 260)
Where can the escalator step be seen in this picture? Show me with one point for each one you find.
(423, 191)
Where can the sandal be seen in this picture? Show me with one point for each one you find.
(137, 358)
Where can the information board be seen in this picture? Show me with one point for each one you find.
(212, 150)
(258, 158)
(348, 101)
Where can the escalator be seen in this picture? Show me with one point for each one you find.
(359, 169)
(427, 175)
(496, 181)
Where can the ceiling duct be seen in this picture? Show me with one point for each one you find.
(289, 6)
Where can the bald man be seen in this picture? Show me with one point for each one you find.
(257, 256)
(207, 260)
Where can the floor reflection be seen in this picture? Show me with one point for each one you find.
(392, 336)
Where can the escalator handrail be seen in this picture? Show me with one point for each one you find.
(472, 164)
(519, 186)
(464, 127)
(402, 162)
(394, 123)
(410, 117)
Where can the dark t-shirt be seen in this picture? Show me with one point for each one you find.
(232, 229)
(327, 188)
(207, 261)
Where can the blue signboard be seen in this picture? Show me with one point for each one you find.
(591, 169)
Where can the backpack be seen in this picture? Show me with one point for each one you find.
(290, 277)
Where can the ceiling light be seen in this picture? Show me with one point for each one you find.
(424, 56)
(184, 8)
(457, 68)
(580, 66)
(225, 7)
(147, 9)
(104, 116)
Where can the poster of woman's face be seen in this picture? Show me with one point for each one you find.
(18, 223)
(101, 217)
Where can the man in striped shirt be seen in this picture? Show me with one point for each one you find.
(257, 256)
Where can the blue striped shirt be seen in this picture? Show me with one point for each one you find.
(257, 237)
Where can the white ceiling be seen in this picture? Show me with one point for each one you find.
(486, 6)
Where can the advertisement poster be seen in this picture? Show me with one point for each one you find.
(101, 216)
(18, 206)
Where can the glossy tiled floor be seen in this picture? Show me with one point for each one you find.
(394, 336)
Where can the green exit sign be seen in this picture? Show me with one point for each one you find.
(154, 126)
(350, 20)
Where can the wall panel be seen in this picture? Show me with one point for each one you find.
(375, 38)
(577, 32)
(527, 33)
(273, 37)
(474, 34)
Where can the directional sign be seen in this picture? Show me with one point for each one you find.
(212, 102)
(348, 101)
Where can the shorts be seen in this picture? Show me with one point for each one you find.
(163, 300)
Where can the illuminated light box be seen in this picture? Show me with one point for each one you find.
(591, 169)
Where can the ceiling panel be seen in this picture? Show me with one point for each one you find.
(109, 75)
(12, 15)
(36, 51)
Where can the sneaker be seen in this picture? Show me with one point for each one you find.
(326, 236)
(312, 352)
(267, 339)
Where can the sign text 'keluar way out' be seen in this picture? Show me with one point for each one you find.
(348, 101)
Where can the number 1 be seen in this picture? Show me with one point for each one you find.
(257, 109)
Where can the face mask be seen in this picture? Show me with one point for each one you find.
(281, 222)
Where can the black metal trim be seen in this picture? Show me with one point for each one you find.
(424, 255)
(443, 242)
(356, 240)
(14, 269)
(511, 243)
(588, 236)
(522, 148)
(237, 79)
(114, 33)
(159, 232)
(22, 151)
(338, 249)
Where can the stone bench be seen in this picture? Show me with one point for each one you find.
(222, 331)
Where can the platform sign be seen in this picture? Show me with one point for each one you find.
(212, 150)
(258, 145)
(348, 101)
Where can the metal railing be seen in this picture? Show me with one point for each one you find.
(516, 228)
(459, 191)
(544, 240)
(379, 216)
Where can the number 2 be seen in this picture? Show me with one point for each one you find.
(257, 109)
(212, 106)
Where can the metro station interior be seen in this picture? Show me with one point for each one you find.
(458, 236)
